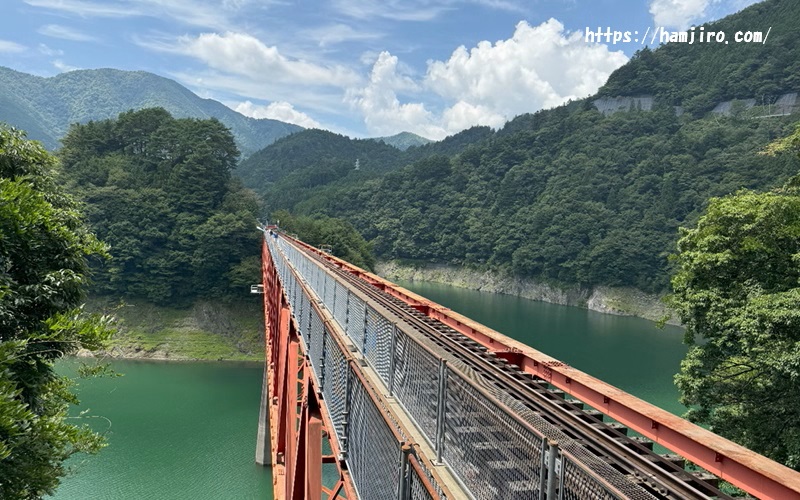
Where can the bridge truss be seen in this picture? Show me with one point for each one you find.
(374, 392)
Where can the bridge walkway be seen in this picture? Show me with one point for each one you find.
(411, 400)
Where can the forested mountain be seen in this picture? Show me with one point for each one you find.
(45, 107)
(159, 191)
(296, 167)
(404, 140)
(573, 195)
(700, 75)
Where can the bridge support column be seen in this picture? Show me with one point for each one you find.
(263, 450)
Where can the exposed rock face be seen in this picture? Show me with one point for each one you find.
(785, 104)
(619, 301)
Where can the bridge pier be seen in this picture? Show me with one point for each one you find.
(263, 450)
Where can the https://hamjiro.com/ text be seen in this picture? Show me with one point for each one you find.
(659, 35)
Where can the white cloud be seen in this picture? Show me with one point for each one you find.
(244, 55)
(678, 14)
(538, 67)
(64, 67)
(50, 52)
(281, 110)
(415, 10)
(65, 33)
(205, 13)
(338, 33)
(463, 115)
(11, 47)
(87, 8)
(383, 113)
(398, 10)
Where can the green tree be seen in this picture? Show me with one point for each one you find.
(160, 191)
(737, 291)
(44, 247)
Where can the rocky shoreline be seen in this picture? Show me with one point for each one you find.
(609, 300)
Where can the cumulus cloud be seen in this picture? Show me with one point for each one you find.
(11, 47)
(383, 112)
(281, 110)
(244, 55)
(538, 67)
(678, 14)
(65, 33)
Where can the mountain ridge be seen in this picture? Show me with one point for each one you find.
(46, 106)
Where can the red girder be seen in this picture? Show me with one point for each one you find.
(298, 419)
(744, 468)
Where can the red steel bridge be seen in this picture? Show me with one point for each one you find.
(373, 392)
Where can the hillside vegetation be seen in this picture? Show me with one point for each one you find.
(159, 190)
(46, 107)
(700, 75)
(570, 195)
(305, 164)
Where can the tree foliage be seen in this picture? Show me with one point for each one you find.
(698, 76)
(44, 247)
(159, 190)
(345, 242)
(737, 291)
(565, 195)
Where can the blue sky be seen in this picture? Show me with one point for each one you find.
(362, 68)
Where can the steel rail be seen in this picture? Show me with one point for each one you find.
(673, 482)
(744, 468)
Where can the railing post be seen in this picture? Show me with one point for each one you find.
(440, 410)
(392, 351)
(363, 346)
(543, 469)
(348, 390)
(551, 469)
(322, 360)
(403, 491)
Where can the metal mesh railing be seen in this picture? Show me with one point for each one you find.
(416, 383)
(490, 451)
(336, 386)
(315, 344)
(377, 343)
(340, 305)
(417, 488)
(577, 484)
(494, 445)
(355, 323)
(374, 454)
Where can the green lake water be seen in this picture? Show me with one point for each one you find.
(188, 430)
(629, 353)
(175, 431)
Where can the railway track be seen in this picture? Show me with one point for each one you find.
(659, 476)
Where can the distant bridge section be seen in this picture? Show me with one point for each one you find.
(373, 392)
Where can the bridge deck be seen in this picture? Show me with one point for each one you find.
(419, 402)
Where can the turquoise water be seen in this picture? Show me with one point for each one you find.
(175, 431)
(188, 430)
(629, 353)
